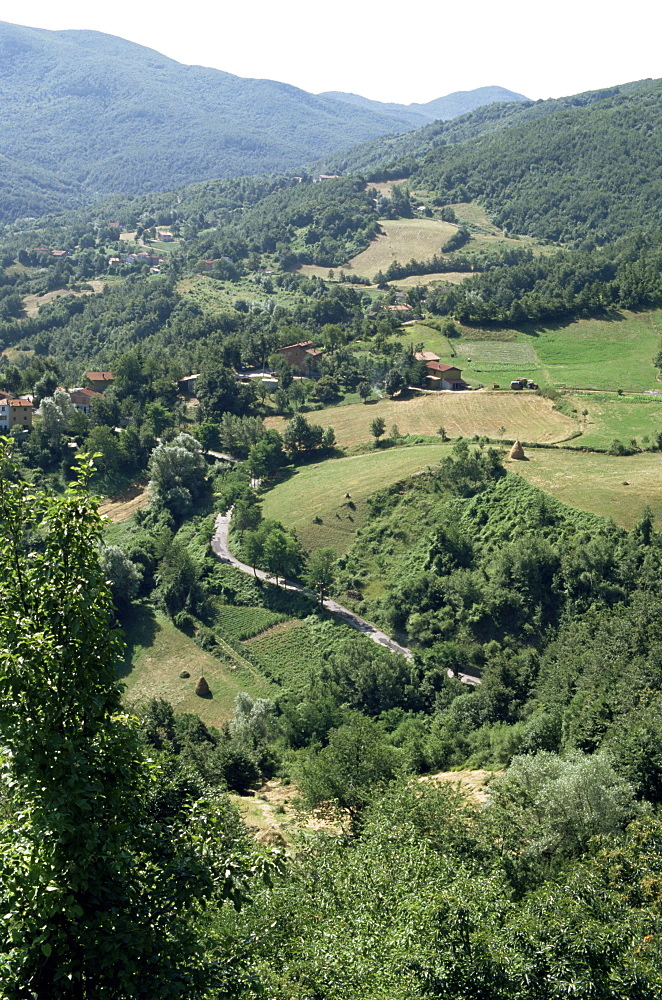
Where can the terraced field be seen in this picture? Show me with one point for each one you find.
(241, 623)
(287, 651)
(496, 414)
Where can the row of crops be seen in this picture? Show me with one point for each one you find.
(234, 622)
(286, 649)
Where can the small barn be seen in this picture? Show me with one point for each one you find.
(188, 384)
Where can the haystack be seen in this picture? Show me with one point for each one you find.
(202, 689)
(517, 452)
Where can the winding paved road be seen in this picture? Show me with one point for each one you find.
(220, 548)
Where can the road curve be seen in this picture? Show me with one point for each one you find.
(221, 549)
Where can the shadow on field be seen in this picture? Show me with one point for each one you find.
(141, 631)
(534, 329)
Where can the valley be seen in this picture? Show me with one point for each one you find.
(331, 439)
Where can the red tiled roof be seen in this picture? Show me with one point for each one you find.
(438, 367)
(304, 343)
(85, 393)
(100, 376)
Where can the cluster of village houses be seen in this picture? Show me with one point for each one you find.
(303, 357)
(17, 411)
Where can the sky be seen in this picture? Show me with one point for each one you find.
(387, 53)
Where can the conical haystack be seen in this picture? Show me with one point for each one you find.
(202, 688)
(517, 451)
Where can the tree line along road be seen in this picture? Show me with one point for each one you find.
(221, 549)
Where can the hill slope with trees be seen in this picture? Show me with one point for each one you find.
(108, 115)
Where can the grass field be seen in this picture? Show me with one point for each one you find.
(617, 488)
(611, 417)
(319, 491)
(471, 212)
(463, 414)
(601, 353)
(606, 354)
(217, 297)
(157, 652)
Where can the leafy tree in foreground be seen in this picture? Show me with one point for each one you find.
(96, 898)
(343, 778)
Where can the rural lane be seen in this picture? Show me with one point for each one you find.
(221, 549)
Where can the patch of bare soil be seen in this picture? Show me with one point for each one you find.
(125, 504)
(472, 783)
(273, 815)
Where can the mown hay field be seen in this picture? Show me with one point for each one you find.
(157, 653)
(612, 487)
(402, 240)
(496, 414)
(124, 505)
(318, 492)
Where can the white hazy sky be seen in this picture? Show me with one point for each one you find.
(387, 52)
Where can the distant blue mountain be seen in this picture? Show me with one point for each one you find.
(441, 109)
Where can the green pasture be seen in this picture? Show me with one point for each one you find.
(601, 353)
(610, 417)
(157, 653)
(604, 354)
(318, 491)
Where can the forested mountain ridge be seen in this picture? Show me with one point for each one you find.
(110, 115)
(396, 156)
(85, 114)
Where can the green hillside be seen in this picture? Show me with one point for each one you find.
(399, 156)
(103, 114)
